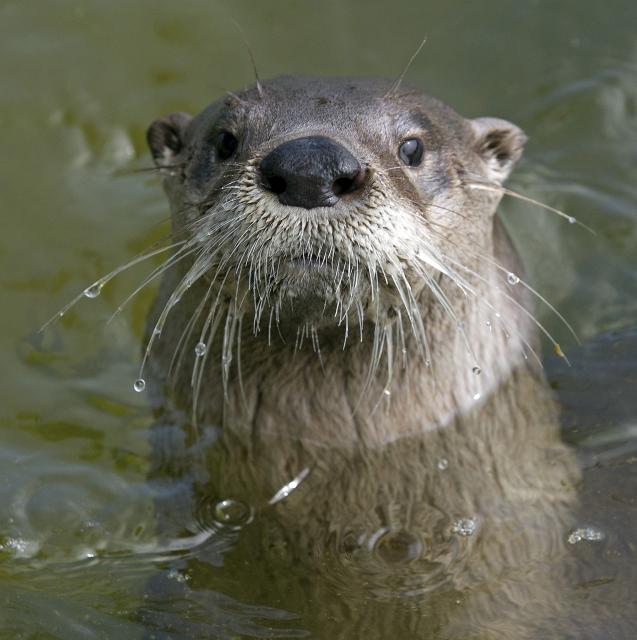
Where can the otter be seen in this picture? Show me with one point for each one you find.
(343, 355)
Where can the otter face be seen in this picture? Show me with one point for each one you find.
(330, 201)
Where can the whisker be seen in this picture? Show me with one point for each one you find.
(520, 306)
(438, 264)
(97, 286)
(508, 192)
(178, 257)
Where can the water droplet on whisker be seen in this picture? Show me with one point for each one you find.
(512, 278)
(200, 349)
(139, 385)
(387, 392)
(476, 370)
(93, 291)
(443, 463)
(477, 396)
(571, 220)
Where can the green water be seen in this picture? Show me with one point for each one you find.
(80, 81)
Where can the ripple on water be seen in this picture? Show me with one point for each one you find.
(397, 547)
(73, 514)
(223, 515)
(395, 561)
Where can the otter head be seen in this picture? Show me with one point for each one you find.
(324, 203)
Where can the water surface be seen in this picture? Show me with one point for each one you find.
(81, 81)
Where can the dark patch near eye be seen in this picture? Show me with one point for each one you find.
(411, 151)
(416, 124)
(226, 145)
(420, 120)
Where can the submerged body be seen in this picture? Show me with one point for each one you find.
(345, 327)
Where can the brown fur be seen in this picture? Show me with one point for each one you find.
(371, 446)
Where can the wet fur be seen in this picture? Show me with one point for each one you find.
(365, 386)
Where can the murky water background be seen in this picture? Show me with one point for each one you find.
(80, 83)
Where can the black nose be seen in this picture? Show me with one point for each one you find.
(311, 172)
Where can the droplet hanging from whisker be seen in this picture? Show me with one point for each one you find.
(513, 194)
(93, 291)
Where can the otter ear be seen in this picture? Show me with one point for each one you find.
(165, 137)
(499, 143)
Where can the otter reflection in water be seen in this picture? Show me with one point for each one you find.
(344, 320)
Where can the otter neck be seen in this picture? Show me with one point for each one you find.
(348, 397)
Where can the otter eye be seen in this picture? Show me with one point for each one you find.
(226, 145)
(410, 152)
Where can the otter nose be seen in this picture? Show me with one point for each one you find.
(311, 172)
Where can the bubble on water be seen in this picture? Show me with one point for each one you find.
(86, 553)
(233, 514)
(396, 547)
(476, 370)
(443, 464)
(512, 278)
(176, 575)
(19, 547)
(464, 527)
(585, 534)
(200, 349)
(93, 291)
(139, 385)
